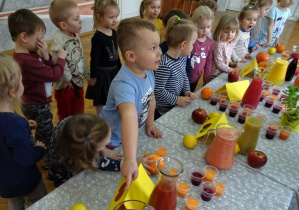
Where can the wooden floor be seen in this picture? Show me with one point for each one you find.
(289, 37)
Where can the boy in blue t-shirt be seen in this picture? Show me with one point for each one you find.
(274, 23)
(131, 102)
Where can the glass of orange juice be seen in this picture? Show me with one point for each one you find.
(285, 132)
(161, 150)
(220, 185)
(192, 201)
(210, 173)
(183, 186)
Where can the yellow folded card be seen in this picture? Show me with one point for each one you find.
(211, 124)
(234, 89)
(140, 189)
(247, 69)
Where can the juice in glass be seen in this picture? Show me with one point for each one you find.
(182, 190)
(191, 204)
(196, 176)
(161, 151)
(219, 189)
(248, 140)
(253, 93)
(210, 175)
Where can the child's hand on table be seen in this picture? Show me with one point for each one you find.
(248, 56)
(243, 60)
(111, 154)
(153, 130)
(191, 95)
(144, 160)
(183, 100)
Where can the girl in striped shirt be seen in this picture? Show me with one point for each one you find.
(172, 84)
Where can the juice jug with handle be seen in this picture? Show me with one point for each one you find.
(253, 93)
(164, 196)
(278, 72)
(221, 152)
(248, 140)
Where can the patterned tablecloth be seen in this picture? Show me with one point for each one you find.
(246, 188)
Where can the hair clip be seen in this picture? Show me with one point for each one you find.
(87, 139)
(178, 18)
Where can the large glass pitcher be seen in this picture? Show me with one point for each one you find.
(278, 72)
(221, 152)
(253, 93)
(164, 195)
(248, 140)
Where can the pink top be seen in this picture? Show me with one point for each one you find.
(223, 54)
(201, 59)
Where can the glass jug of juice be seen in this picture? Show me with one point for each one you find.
(278, 72)
(133, 204)
(221, 152)
(248, 140)
(164, 195)
(253, 93)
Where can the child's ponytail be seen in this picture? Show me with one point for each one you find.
(141, 9)
(178, 30)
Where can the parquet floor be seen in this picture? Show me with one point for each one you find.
(289, 37)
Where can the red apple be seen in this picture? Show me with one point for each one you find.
(256, 159)
(233, 76)
(199, 115)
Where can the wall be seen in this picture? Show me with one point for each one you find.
(11, 5)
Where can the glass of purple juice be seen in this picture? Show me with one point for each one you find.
(272, 130)
(275, 91)
(197, 176)
(214, 99)
(276, 107)
(223, 104)
(207, 190)
(270, 100)
(267, 83)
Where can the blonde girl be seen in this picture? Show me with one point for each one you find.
(264, 6)
(20, 177)
(202, 53)
(247, 19)
(104, 59)
(223, 53)
(151, 10)
(172, 84)
(275, 22)
(77, 144)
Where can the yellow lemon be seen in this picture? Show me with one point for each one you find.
(213, 115)
(271, 51)
(189, 141)
(79, 206)
(237, 148)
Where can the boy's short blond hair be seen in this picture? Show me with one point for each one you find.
(59, 10)
(23, 20)
(128, 37)
(10, 75)
(202, 13)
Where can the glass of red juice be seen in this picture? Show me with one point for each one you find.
(223, 104)
(276, 107)
(272, 130)
(233, 110)
(197, 175)
(267, 83)
(270, 100)
(207, 190)
(275, 91)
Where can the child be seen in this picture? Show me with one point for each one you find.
(20, 177)
(167, 16)
(223, 54)
(212, 4)
(264, 6)
(247, 20)
(151, 10)
(131, 101)
(27, 31)
(76, 145)
(274, 23)
(104, 63)
(172, 84)
(69, 94)
(202, 53)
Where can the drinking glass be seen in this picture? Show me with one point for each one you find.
(183, 186)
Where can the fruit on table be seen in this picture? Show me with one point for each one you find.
(213, 115)
(280, 48)
(263, 64)
(233, 76)
(296, 82)
(237, 148)
(153, 165)
(272, 50)
(256, 159)
(79, 206)
(189, 141)
(199, 115)
(206, 93)
(262, 56)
